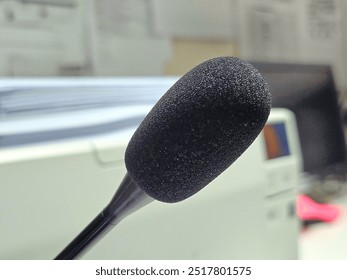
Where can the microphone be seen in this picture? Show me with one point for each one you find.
(199, 127)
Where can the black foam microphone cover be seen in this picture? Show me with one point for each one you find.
(202, 124)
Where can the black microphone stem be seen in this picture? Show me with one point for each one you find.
(127, 200)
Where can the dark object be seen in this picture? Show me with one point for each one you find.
(198, 129)
(309, 91)
(195, 131)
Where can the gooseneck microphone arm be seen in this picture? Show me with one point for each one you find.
(127, 200)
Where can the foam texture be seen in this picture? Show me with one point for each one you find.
(203, 123)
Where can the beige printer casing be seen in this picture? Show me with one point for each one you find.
(50, 191)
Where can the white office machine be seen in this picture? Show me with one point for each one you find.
(62, 145)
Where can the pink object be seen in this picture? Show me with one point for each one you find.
(310, 210)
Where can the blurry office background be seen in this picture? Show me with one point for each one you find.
(163, 37)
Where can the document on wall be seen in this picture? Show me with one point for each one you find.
(290, 30)
(127, 41)
(124, 18)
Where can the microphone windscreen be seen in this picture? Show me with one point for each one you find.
(202, 124)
